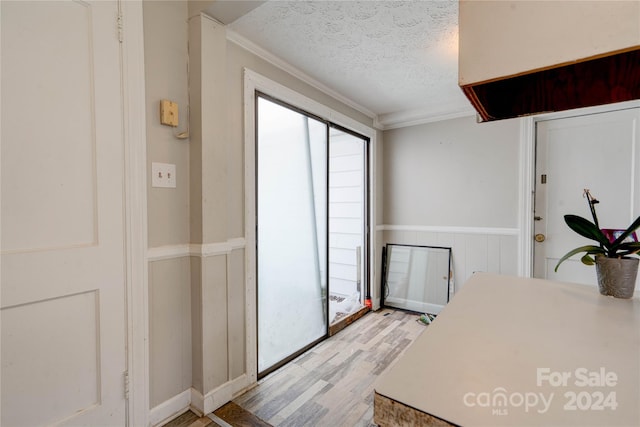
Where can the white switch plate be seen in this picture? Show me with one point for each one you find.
(163, 175)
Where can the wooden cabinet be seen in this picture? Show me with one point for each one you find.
(518, 58)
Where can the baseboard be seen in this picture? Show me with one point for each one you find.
(197, 402)
(170, 409)
(194, 400)
(412, 305)
(219, 396)
(240, 384)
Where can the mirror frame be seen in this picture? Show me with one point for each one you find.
(383, 284)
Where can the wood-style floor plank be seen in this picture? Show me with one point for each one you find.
(238, 417)
(189, 419)
(332, 383)
(184, 420)
(329, 385)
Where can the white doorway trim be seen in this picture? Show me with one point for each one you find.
(528, 169)
(133, 78)
(252, 82)
(527, 176)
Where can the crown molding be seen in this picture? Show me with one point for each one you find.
(380, 122)
(418, 117)
(247, 44)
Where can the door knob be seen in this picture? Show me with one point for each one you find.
(540, 238)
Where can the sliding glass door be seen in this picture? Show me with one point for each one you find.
(292, 232)
(312, 233)
(348, 208)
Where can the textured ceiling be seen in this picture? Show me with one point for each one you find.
(391, 57)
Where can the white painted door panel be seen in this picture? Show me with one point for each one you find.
(600, 152)
(63, 284)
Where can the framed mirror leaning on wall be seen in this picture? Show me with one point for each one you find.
(416, 278)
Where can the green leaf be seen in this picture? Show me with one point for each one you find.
(587, 260)
(628, 248)
(626, 234)
(587, 229)
(589, 249)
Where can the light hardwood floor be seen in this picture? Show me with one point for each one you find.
(330, 385)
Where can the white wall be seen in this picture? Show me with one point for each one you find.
(455, 183)
(165, 44)
(452, 173)
(196, 232)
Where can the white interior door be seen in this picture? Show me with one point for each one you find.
(63, 283)
(600, 152)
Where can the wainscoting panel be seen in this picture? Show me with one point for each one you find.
(215, 332)
(169, 329)
(197, 326)
(236, 315)
(492, 250)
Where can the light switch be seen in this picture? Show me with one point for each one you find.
(163, 175)
(168, 113)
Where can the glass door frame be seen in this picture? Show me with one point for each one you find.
(284, 361)
(366, 288)
(366, 214)
(244, 246)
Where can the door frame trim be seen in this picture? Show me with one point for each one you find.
(256, 82)
(528, 170)
(526, 195)
(135, 168)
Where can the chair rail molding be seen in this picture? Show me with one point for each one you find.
(202, 250)
(498, 231)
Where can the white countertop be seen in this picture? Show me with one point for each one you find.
(504, 336)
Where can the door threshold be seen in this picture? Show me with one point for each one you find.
(340, 325)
